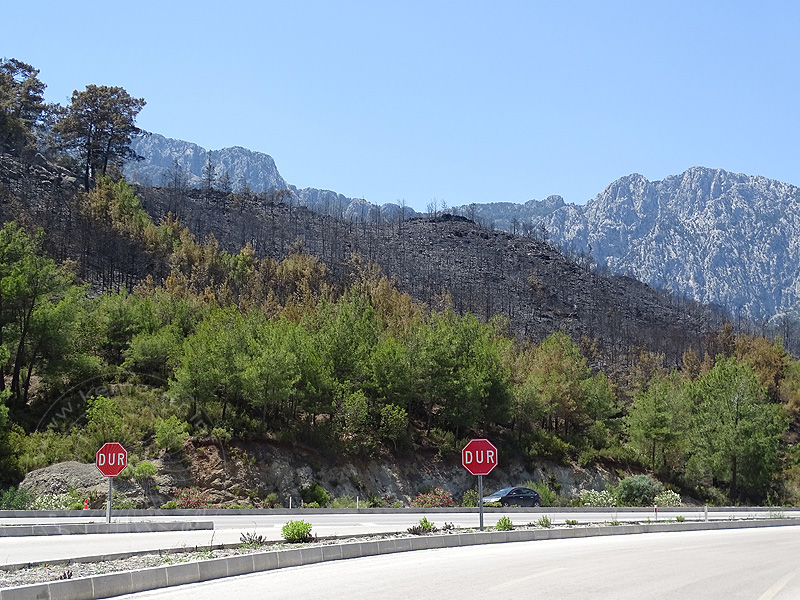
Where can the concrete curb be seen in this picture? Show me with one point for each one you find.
(85, 528)
(129, 582)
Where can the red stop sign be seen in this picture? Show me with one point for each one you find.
(111, 459)
(479, 457)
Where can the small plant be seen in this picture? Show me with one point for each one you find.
(297, 532)
(504, 524)
(435, 499)
(680, 518)
(423, 527)
(544, 521)
(222, 435)
(492, 504)
(171, 504)
(397, 504)
(571, 522)
(311, 505)
(775, 513)
(251, 540)
(615, 522)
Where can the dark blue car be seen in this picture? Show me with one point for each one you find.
(516, 496)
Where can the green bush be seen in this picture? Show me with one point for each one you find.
(343, 502)
(17, 499)
(272, 501)
(504, 524)
(639, 490)
(145, 470)
(296, 532)
(315, 493)
(470, 498)
(171, 433)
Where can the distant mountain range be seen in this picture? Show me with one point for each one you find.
(708, 234)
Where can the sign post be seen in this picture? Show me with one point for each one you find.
(111, 460)
(479, 457)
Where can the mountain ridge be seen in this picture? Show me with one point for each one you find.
(714, 236)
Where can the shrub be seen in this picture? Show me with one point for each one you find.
(315, 493)
(144, 470)
(191, 498)
(343, 502)
(297, 532)
(222, 435)
(272, 501)
(70, 500)
(504, 524)
(597, 498)
(436, 498)
(171, 433)
(311, 505)
(667, 498)
(639, 490)
(546, 491)
(17, 499)
(470, 498)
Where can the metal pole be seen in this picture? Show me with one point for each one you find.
(480, 498)
(108, 505)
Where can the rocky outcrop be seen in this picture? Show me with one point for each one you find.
(710, 235)
(245, 473)
(255, 170)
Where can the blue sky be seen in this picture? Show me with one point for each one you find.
(460, 102)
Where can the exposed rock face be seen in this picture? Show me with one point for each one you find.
(256, 169)
(246, 472)
(717, 237)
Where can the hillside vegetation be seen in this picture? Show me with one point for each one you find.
(114, 325)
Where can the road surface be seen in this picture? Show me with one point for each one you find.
(751, 564)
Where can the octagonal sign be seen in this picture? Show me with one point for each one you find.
(479, 457)
(111, 459)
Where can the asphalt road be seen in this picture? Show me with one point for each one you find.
(229, 528)
(751, 564)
